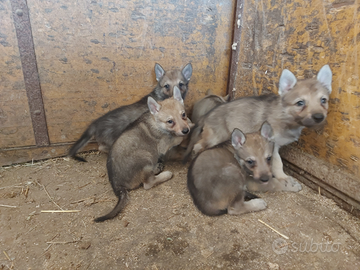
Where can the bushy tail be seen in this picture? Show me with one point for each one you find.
(194, 138)
(84, 139)
(122, 194)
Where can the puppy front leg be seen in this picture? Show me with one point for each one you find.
(208, 139)
(164, 148)
(239, 206)
(191, 124)
(159, 167)
(277, 165)
(282, 182)
(274, 185)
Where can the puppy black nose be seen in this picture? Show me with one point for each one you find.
(185, 131)
(318, 117)
(264, 178)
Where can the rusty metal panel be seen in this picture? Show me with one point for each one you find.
(303, 36)
(31, 77)
(15, 122)
(94, 56)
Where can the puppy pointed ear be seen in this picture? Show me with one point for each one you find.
(177, 94)
(237, 138)
(159, 72)
(187, 71)
(154, 107)
(325, 77)
(287, 81)
(266, 131)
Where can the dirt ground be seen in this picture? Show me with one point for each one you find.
(160, 228)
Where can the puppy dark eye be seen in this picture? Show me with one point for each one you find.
(170, 121)
(300, 103)
(167, 86)
(323, 101)
(183, 115)
(250, 162)
(268, 159)
(181, 85)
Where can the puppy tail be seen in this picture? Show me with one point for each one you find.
(84, 139)
(122, 194)
(227, 98)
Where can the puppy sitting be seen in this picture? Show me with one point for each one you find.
(133, 159)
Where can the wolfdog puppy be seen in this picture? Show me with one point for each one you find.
(201, 107)
(299, 104)
(206, 104)
(109, 127)
(217, 176)
(133, 158)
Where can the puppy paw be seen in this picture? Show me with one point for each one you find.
(257, 204)
(290, 184)
(104, 148)
(165, 175)
(197, 149)
(159, 167)
(191, 124)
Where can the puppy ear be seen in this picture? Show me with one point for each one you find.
(177, 95)
(187, 71)
(325, 77)
(287, 81)
(154, 107)
(237, 138)
(159, 72)
(226, 98)
(266, 131)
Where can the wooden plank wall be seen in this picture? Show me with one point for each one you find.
(15, 123)
(94, 56)
(302, 36)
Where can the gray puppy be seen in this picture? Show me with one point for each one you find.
(217, 176)
(299, 104)
(109, 127)
(133, 159)
(206, 104)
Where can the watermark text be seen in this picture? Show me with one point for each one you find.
(281, 246)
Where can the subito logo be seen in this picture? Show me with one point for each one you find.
(279, 246)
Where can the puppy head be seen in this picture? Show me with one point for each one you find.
(168, 80)
(307, 101)
(254, 152)
(170, 114)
